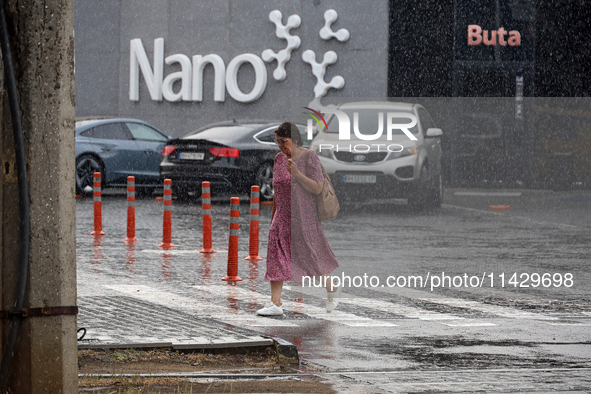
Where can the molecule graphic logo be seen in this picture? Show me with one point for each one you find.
(309, 56)
(293, 42)
(326, 33)
(319, 70)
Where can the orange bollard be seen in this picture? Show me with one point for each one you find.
(130, 210)
(167, 222)
(206, 208)
(233, 247)
(253, 236)
(98, 215)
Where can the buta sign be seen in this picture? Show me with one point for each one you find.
(477, 36)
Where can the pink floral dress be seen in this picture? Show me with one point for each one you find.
(297, 246)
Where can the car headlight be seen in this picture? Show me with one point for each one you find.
(322, 152)
(404, 152)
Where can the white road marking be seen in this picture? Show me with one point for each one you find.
(336, 316)
(495, 194)
(236, 316)
(203, 308)
(174, 251)
(510, 216)
(487, 308)
(470, 323)
(422, 314)
(397, 309)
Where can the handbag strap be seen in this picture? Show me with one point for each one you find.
(306, 173)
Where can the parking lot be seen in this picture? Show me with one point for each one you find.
(511, 328)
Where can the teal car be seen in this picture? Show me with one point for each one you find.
(118, 148)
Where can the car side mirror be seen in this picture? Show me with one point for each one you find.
(434, 133)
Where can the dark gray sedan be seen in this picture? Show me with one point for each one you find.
(118, 148)
(232, 156)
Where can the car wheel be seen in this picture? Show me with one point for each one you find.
(436, 193)
(86, 166)
(419, 196)
(181, 193)
(143, 191)
(264, 180)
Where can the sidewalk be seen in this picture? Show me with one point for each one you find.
(118, 321)
(124, 322)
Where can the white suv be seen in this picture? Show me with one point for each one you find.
(394, 151)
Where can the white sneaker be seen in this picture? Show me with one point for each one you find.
(332, 299)
(270, 310)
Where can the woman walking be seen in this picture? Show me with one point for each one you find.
(297, 246)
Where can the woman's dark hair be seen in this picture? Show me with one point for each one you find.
(291, 131)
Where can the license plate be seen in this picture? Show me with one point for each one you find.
(192, 155)
(359, 178)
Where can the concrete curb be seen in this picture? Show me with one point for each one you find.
(286, 351)
(216, 344)
(201, 375)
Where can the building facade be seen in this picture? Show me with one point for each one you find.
(224, 60)
(182, 64)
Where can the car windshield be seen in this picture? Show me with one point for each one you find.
(226, 133)
(81, 123)
(367, 121)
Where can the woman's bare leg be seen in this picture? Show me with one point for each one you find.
(276, 288)
(327, 283)
(332, 294)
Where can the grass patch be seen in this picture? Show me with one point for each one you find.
(162, 361)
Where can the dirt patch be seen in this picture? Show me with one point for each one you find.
(133, 361)
(125, 361)
(178, 386)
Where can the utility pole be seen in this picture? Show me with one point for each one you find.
(42, 46)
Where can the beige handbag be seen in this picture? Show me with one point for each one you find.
(327, 203)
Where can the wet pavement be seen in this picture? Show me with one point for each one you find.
(499, 323)
(127, 322)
